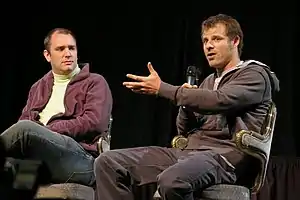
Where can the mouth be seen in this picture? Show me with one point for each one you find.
(210, 55)
(68, 62)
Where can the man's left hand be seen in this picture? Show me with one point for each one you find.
(145, 84)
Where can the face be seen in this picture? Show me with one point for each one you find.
(62, 53)
(218, 48)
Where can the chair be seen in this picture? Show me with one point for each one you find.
(104, 142)
(257, 145)
(74, 191)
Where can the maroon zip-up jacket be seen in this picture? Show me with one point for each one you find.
(88, 105)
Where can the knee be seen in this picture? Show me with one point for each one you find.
(100, 161)
(103, 161)
(169, 184)
(20, 128)
(165, 184)
(23, 125)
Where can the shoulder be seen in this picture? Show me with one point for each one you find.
(42, 81)
(91, 78)
(97, 79)
(97, 82)
(254, 68)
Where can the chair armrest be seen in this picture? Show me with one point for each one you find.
(258, 146)
(103, 144)
(252, 141)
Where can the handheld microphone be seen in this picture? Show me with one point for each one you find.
(192, 78)
(191, 75)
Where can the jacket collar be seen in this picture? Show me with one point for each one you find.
(84, 73)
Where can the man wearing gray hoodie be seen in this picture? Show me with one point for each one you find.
(237, 96)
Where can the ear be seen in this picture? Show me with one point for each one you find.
(47, 55)
(236, 41)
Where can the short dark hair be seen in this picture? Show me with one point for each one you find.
(233, 27)
(47, 40)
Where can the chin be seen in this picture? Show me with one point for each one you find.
(66, 70)
(216, 65)
(213, 64)
(69, 68)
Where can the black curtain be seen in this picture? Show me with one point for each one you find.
(120, 39)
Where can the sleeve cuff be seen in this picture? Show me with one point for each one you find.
(168, 91)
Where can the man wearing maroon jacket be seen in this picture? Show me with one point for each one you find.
(67, 111)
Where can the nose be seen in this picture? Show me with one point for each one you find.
(68, 52)
(209, 45)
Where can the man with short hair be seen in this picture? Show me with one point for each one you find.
(66, 113)
(237, 96)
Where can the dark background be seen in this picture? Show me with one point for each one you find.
(121, 38)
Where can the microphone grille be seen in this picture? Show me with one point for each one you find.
(191, 71)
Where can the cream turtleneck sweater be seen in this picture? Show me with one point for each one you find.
(55, 104)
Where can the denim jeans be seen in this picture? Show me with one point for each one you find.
(65, 158)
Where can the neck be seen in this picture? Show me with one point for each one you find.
(60, 77)
(231, 64)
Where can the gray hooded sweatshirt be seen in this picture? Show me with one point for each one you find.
(221, 106)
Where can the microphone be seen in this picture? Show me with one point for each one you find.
(191, 75)
(192, 78)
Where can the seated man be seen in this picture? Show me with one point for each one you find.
(67, 111)
(236, 97)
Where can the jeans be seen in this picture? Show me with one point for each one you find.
(66, 159)
(178, 174)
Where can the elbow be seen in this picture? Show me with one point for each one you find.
(100, 124)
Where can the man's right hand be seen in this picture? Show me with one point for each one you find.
(186, 85)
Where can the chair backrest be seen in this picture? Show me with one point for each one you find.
(267, 132)
(103, 143)
(258, 145)
(109, 128)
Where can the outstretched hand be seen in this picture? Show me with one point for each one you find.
(144, 84)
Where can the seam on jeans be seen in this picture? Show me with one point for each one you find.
(74, 152)
(73, 173)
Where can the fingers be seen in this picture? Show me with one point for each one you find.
(135, 77)
(150, 68)
(142, 78)
(186, 85)
(136, 90)
(133, 84)
(140, 91)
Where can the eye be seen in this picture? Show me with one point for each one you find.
(217, 39)
(72, 47)
(61, 48)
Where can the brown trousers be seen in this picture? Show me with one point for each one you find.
(178, 173)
